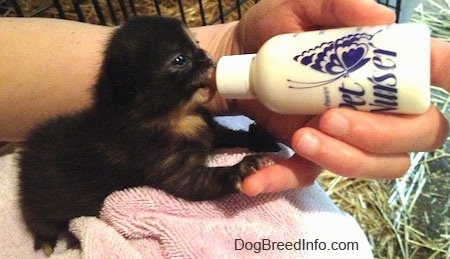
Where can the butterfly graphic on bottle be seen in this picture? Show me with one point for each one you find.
(338, 58)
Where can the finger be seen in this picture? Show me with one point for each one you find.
(348, 13)
(346, 160)
(291, 173)
(440, 56)
(385, 134)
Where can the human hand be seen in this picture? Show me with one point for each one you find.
(349, 143)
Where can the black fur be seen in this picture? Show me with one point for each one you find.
(145, 127)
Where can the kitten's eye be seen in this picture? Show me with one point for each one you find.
(180, 61)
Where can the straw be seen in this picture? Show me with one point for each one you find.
(388, 210)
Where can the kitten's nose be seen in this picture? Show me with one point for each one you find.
(209, 60)
(204, 58)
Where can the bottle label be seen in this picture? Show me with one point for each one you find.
(339, 59)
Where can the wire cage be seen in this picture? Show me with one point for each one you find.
(114, 12)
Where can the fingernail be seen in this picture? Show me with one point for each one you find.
(258, 190)
(254, 189)
(336, 125)
(307, 145)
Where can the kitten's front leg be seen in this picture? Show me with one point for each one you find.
(198, 182)
(256, 138)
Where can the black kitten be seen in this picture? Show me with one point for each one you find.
(146, 127)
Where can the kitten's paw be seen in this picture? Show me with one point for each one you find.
(250, 164)
(47, 248)
(47, 245)
(261, 140)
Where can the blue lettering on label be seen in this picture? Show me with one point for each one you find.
(384, 85)
(342, 57)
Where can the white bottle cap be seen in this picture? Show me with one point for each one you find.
(233, 76)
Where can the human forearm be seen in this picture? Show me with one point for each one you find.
(48, 67)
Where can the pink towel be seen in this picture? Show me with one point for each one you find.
(146, 223)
